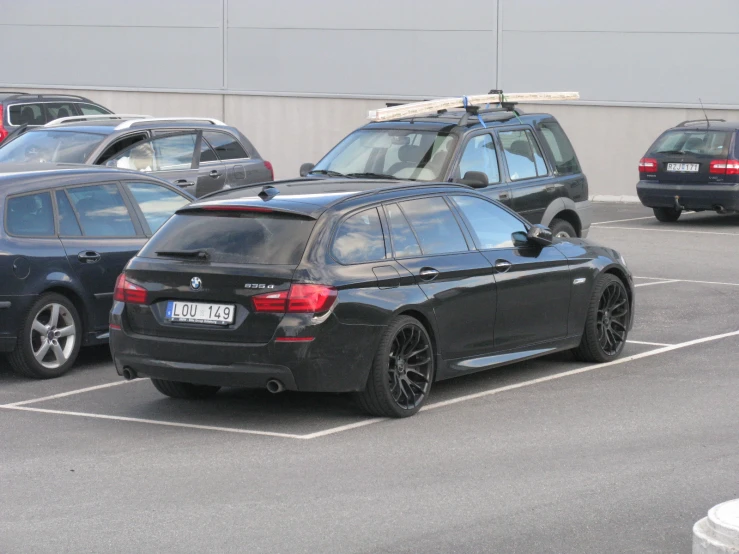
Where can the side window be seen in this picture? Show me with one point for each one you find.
(89, 109)
(173, 152)
(26, 114)
(360, 239)
(435, 226)
(206, 152)
(565, 160)
(102, 211)
(157, 203)
(479, 155)
(522, 155)
(404, 241)
(225, 145)
(491, 226)
(59, 109)
(68, 225)
(120, 146)
(30, 215)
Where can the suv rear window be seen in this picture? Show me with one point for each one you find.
(702, 143)
(234, 237)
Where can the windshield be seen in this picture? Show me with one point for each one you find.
(50, 146)
(395, 153)
(702, 143)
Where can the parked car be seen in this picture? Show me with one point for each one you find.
(33, 110)
(67, 233)
(523, 160)
(692, 166)
(199, 155)
(379, 292)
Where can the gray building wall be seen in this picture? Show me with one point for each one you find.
(297, 76)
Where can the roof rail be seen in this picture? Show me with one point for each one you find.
(145, 119)
(59, 121)
(697, 121)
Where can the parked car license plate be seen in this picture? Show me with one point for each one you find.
(683, 168)
(200, 312)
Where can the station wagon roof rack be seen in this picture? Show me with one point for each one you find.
(146, 119)
(59, 121)
(698, 122)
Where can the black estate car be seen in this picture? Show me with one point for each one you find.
(693, 166)
(199, 155)
(33, 110)
(67, 233)
(524, 161)
(380, 292)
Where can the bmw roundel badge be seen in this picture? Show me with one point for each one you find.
(195, 283)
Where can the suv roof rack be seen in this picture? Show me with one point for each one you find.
(697, 121)
(146, 119)
(59, 121)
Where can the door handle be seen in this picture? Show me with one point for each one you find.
(501, 266)
(503, 196)
(428, 273)
(215, 174)
(184, 183)
(88, 257)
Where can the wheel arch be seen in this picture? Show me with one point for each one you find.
(428, 324)
(77, 301)
(565, 209)
(621, 275)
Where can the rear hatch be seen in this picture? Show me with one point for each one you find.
(203, 268)
(686, 156)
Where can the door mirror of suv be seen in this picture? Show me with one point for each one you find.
(475, 179)
(306, 168)
(539, 234)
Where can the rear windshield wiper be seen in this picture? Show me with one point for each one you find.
(372, 176)
(328, 172)
(199, 254)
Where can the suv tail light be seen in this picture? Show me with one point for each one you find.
(125, 291)
(647, 165)
(303, 299)
(268, 165)
(724, 167)
(3, 131)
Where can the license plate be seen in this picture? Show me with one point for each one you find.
(683, 168)
(200, 312)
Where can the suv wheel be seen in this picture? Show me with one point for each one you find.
(667, 215)
(562, 229)
(49, 339)
(190, 391)
(402, 371)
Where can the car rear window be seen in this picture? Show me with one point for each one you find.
(234, 237)
(696, 142)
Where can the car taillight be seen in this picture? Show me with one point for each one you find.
(648, 165)
(303, 299)
(724, 167)
(3, 131)
(125, 291)
(268, 165)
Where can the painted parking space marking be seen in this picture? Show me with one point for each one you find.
(648, 343)
(69, 393)
(657, 283)
(666, 280)
(669, 231)
(620, 220)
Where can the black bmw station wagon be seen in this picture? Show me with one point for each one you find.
(378, 292)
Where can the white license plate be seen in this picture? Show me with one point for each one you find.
(683, 168)
(200, 312)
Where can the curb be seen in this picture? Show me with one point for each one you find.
(625, 199)
(718, 533)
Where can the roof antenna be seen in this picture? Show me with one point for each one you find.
(708, 122)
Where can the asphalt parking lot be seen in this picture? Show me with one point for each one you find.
(550, 455)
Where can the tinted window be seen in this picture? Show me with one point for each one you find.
(58, 110)
(47, 145)
(157, 203)
(235, 237)
(102, 211)
(225, 145)
(206, 152)
(26, 114)
(68, 226)
(121, 145)
(359, 239)
(435, 226)
(479, 155)
(702, 143)
(404, 241)
(522, 155)
(565, 160)
(492, 226)
(168, 153)
(89, 109)
(30, 215)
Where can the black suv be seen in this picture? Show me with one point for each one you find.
(200, 155)
(19, 108)
(379, 291)
(693, 166)
(66, 234)
(523, 160)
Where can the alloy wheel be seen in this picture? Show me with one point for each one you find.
(53, 336)
(410, 366)
(613, 313)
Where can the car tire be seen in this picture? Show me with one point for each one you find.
(609, 308)
(402, 371)
(562, 229)
(49, 339)
(667, 215)
(189, 391)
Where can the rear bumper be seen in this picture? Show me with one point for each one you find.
(691, 197)
(585, 213)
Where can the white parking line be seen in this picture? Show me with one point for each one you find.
(665, 280)
(657, 283)
(620, 220)
(63, 394)
(669, 231)
(649, 343)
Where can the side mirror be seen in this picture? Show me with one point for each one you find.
(306, 168)
(538, 234)
(475, 179)
(520, 239)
